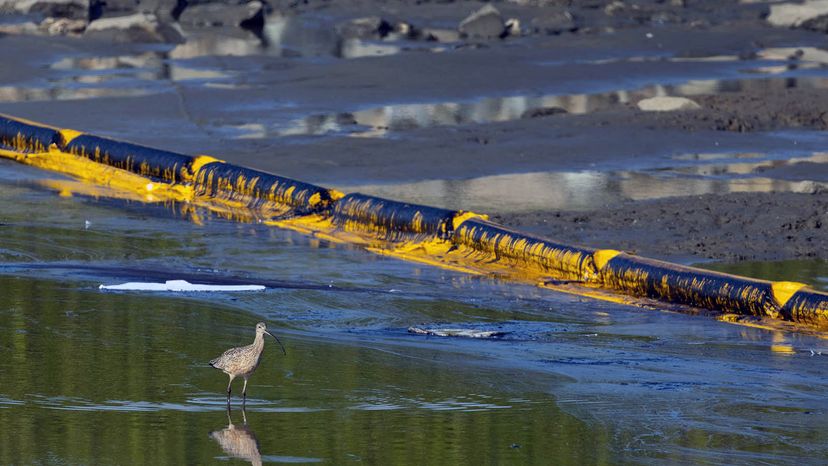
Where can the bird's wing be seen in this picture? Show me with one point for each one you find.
(226, 356)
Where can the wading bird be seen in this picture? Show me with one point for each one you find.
(243, 361)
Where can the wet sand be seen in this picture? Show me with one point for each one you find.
(400, 116)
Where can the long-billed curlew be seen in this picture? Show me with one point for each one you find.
(244, 360)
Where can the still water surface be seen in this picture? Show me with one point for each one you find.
(92, 377)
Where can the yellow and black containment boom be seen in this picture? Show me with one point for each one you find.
(455, 239)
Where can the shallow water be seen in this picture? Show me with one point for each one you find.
(100, 378)
(684, 175)
(109, 377)
(385, 120)
(91, 377)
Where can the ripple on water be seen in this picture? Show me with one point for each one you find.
(201, 404)
(114, 373)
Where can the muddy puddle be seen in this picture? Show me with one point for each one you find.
(384, 121)
(766, 70)
(388, 120)
(97, 376)
(132, 75)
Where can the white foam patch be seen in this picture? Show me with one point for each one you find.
(457, 332)
(179, 285)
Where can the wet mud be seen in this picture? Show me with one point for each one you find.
(731, 227)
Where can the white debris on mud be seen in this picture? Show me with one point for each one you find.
(667, 104)
(179, 285)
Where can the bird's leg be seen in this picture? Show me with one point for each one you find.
(244, 392)
(229, 384)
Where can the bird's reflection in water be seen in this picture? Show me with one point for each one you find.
(238, 441)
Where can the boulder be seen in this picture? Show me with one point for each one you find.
(485, 23)
(513, 28)
(24, 27)
(554, 22)
(165, 10)
(371, 27)
(62, 26)
(667, 104)
(250, 15)
(139, 27)
(71, 9)
(542, 112)
(121, 6)
(795, 14)
(818, 24)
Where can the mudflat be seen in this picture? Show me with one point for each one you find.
(684, 130)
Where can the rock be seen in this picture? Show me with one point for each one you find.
(26, 27)
(794, 14)
(485, 23)
(409, 31)
(441, 35)
(818, 24)
(140, 27)
(667, 104)
(121, 6)
(372, 27)
(542, 112)
(165, 10)
(554, 22)
(661, 18)
(72, 9)
(62, 17)
(62, 26)
(513, 27)
(250, 15)
(346, 119)
(539, 3)
(612, 8)
(256, 21)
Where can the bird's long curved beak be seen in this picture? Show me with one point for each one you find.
(277, 340)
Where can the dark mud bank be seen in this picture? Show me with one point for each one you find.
(731, 227)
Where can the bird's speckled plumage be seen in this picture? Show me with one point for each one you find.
(243, 361)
